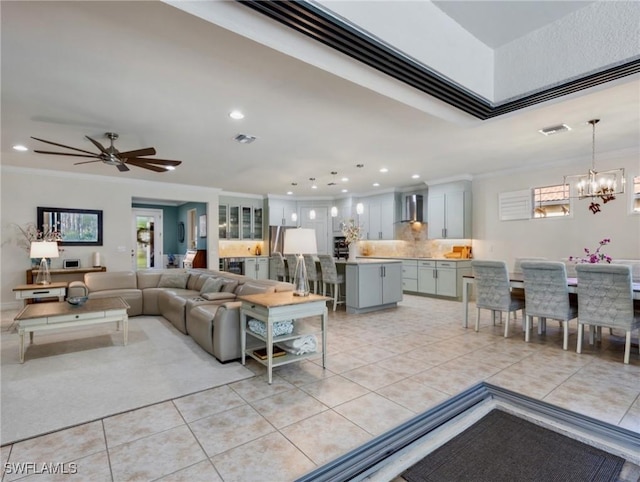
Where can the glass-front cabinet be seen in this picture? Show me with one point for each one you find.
(234, 222)
(240, 219)
(223, 221)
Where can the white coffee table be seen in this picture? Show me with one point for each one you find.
(55, 315)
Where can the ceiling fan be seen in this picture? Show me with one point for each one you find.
(110, 155)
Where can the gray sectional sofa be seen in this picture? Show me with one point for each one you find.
(200, 303)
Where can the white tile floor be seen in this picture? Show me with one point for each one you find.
(382, 369)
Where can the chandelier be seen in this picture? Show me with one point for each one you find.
(596, 185)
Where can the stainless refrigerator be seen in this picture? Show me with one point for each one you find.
(276, 238)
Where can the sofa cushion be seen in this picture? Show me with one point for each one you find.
(229, 285)
(218, 296)
(194, 282)
(173, 280)
(212, 285)
(114, 280)
(249, 288)
(148, 279)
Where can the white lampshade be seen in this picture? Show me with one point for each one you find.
(44, 249)
(300, 241)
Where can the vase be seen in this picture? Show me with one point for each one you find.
(353, 251)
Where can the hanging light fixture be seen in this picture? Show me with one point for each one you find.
(334, 211)
(312, 214)
(604, 184)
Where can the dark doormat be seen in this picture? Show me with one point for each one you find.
(503, 447)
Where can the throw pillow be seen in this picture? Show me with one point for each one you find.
(212, 285)
(173, 280)
(229, 285)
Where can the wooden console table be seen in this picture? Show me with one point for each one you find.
(69, 274)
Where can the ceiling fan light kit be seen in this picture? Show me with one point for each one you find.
(111, 156)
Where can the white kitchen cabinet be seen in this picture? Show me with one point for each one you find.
(449, 211)
(373, 285)
(281, 211)
(256, 268)
(442, 278)
(378, 217)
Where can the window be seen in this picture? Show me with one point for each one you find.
(636, 194)
(551, 201)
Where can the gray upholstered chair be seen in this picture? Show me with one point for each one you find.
(546, 295)
(330, 277)
(278, 263)
(493, 291)
(605, 298)
(517, 263)
(292, 261)
(312, 272)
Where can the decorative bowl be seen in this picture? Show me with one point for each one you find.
(77, 300)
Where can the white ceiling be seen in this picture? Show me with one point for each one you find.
(161, 77)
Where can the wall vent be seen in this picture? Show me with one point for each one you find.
(244, 138)
(549, 131)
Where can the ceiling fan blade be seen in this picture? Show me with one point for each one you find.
(162, 162)
(86, 162)
(149, 151)
(65, 154)
(62, 145)
(146, 165)
(122, 168)
(98, 145)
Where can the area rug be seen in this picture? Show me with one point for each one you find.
(75, 376)
(503, 447)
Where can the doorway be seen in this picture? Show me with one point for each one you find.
(192, 229)
(147, 239)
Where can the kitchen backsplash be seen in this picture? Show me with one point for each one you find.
(235, 249)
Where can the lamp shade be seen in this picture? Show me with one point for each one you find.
(44, 249)
(300, 241)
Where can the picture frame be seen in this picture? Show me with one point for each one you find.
(202, 227)
(77, 227)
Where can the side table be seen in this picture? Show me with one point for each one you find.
(33, 291)
(281, 306)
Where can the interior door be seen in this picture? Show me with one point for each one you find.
(147, 239)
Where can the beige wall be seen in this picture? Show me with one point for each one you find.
(555, 238)
(23, 190)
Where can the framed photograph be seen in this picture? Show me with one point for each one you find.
(77, 227)
(202, 228)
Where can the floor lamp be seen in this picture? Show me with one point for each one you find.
(300, 241)
(44, 250)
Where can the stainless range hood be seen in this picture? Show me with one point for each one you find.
(413, 207)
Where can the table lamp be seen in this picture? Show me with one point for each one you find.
(300, 241)
(44, 250)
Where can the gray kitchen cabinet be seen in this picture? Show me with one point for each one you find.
(410, 275)
(378, 217)
(373, 285)
(256, 267)
(449, 211)
(281, 211)
(442, 278)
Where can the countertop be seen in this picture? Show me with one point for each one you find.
(428, 258)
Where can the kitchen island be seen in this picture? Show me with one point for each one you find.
(372, 285)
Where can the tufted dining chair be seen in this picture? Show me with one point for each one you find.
(292, 261)
(330, 277)
(605, 298)
(493, 291)
(281, 274)
(312, 272)
(546, 295)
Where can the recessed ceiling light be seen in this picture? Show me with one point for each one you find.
(345, 190)
(313, 186)
(376, 184)
(19, 147)
(415, 176)
(236, 114)
(345, 179)
(384, 169)
(289, 193)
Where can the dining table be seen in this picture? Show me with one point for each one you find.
(516, 280)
